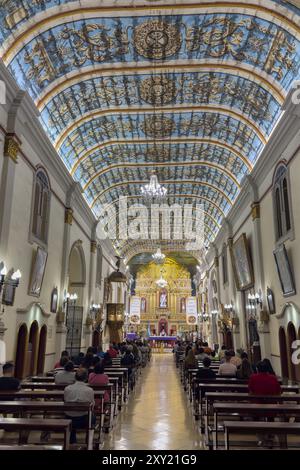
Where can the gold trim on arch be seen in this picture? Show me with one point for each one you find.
(165, 164)
(21, 39)
(126, 183)
(210, 65)
(161, 141)
(174, 110)
(176, 195)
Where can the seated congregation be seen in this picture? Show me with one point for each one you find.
(233, 397)
(75, 403)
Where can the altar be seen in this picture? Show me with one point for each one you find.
(162, 344)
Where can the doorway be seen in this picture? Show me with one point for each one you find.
(42, 350)
(22, 341)
(32, 349)
(283, 353)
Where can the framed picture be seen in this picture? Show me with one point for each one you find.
(284, 271)
(271, 301)
(37, 272)
(54, 300)
(241, 263)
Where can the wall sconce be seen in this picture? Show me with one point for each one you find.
(228, 308)
(255, 299)
(94, 310)
(10, 283)
(205, 317)
(70, 299)
(215, 312)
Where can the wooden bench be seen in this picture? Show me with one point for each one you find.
(261, 410)
(254, 428)
(29, 447)
(52, 407)
(48, 425)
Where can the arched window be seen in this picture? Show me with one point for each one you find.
(99, 267)
(41, 207)
(224, 264)
(281, 200)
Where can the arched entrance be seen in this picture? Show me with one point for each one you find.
(22, 341)
(74, 315)
(283, 353)
(42, 350)
(96, 339)
(228, 340)
(291, 337)
(32, 349)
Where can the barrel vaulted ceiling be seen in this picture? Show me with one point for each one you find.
(191, 89)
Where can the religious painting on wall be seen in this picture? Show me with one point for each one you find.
(143, 305)
(135, 311)
(163, 299)
(284, 271)
(191, 311)
(37, 272)
(241, 263)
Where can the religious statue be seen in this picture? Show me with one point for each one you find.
(163, 299)
(162, 333)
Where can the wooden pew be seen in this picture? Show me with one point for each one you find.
(47, 425)
(22, 408)
(234, 388)
(253, 428)
(29, 447)
(253, 410)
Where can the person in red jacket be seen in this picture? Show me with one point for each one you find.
(264, 383)
(112, 352)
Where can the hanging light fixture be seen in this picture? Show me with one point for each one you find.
(158, 257)
(153, 190)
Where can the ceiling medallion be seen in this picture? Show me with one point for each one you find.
(158, 90)
(156, 39)
(158, 126)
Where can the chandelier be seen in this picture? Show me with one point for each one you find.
(153, 190)
(162, 283)
(158, 257)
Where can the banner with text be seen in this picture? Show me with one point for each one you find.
(135, 311)
(191, 310)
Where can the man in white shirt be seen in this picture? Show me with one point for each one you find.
(227, 368)
(66, 376)
(78, 392)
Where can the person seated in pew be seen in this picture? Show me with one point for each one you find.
(8, 381)
(222, 353)
(112, 352)
(245, 370)
(269, 367)
(79, 392)
(207, 349)
(201, 354)
(63, 361)
(58, 363)
(100, 352)
(190, 361)
(88, 361)
(235, 359)
(227, 369)
(79, 359)
(98, 377)
(66, 376)
(265, 383)
(205, 372)
(107, 361)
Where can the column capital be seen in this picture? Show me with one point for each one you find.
(68, 216)
(93, 246)
(11, 147)
(230, 242)
(255, 210)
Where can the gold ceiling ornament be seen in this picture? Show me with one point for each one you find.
(158, 126)
(158, 90)
(157, 39)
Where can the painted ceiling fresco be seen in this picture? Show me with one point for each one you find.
(190, 89)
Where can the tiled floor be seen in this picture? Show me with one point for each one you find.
(158, 416)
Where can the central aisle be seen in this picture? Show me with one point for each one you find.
(158, 416)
